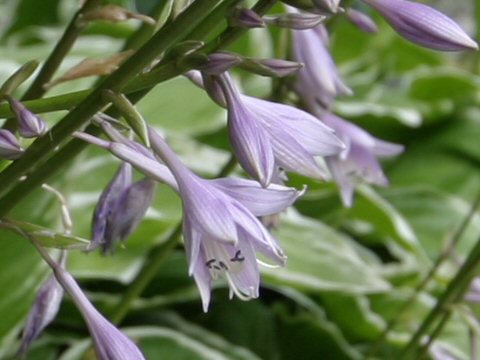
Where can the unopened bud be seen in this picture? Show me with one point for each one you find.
(423, 25)
(220, 62)
(214, 90)
(245, 18)
(43, 311)
(107, 203)
(297, 21)
(9, 147)
(120, 209)
(271, 67)
(130, 210)
(29, 124)
(361, 20)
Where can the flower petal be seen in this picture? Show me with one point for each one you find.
(260, 201)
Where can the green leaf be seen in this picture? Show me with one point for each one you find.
(321, 259)
(22, 272)
(354, 316)
(304, 337)
(45, 236)
(158, 343)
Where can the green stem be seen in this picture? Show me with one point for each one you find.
(456, 288)
(56, 57)
(154, 262)
(144, 81)
(440, 260)
(444, 319)
(160, 42)
(51, 65)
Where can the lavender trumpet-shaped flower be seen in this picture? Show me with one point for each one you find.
(221, 234)
(29, 124)
(43, 311)
(319, 80)
(9, 147)
(120, 209)
(423, 25)
(359, 159)
(110, 343)
(267, 136)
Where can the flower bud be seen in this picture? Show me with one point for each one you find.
(219, 62)
(9, 147)
(362, 21)
(107, 203)
(120, 209)
(271, 67)
(44, 310)
(130, 209)
(245, 18)
(29, 124)
(423, 25)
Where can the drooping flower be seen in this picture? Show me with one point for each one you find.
(359, 160)
(267, 136)
(220, 216)
(42, 313)
(423, 25)
(361, 20)
(109, 342)
(29, 124)
(221, 233)
(9, 147)
(120, 209)
(319, 79)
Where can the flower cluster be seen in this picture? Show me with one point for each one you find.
(223, 233)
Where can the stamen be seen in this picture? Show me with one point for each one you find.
(238, 257)
(268, 266)
(236, 290)
(209, 263)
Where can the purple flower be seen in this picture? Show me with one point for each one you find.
(359, 159)
(9, 147)
(43, 311)
(221, 232)
(219, 217)
(120, 209)
(267, 136)
(319, 79)
(110, 343)
(29, 124)
(423, 25)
